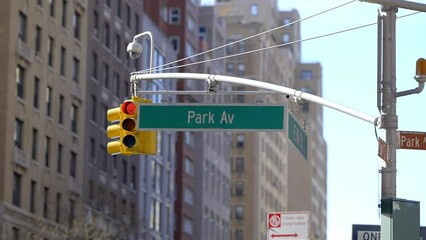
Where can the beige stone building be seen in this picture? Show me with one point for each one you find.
(268, 172)
(42, 62)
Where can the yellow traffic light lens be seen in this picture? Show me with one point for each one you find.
(421, 67)
(129, 141)
(128, 124)
(129, 107)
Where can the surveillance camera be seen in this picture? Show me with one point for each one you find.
(134, 49)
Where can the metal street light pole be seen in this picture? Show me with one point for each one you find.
(135, 49)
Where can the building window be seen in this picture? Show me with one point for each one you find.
(50, 46)
(61, 109)
(137, 24)
(106, 35)
(74, 116)
(187, 225)
(76, 24)
(191, 24)
(240, 140)
(92, 149)
(118, 9)
(306, 74)
(230, 68)
(115, 84)
(239, 188)
(64, 13)
(46, 202)
(19, 128)
(175, 42)
(105, 74)
(47, 152)
(95, 23)
(128, 15)
(133, 178)
(124, 165)
(95, 65)
(73, 164)
(16, 195)
(33, 194)
(59, 159)
(108, 3)
(15, 233)
(34, 145)
(189, 138)
(286, 38)
(174, 16)
(93, 115)
(37, 42)
(241, 47)
(239, 164)
(58, 207)
(75, 69)
(22, 30)
(286, 21)
(229, 47)
(20, 76)
(155, 217)
(189, 49)
(71, 214)
(188, 196)
(239, 212)
(241, 69)
(156, 176)
(49, 101)
(52, 8)
(116, 45)
(36, 92)
(63, 61)
(254, 9)
(189, 167)
(239, 234)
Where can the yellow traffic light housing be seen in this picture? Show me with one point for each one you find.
(113, 131)
(127, 140)
(148, 139)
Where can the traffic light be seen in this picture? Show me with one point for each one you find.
(127, 139)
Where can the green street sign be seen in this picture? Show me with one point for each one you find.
(210, 117)
(297, 136)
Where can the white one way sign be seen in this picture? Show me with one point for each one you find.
(288, 225)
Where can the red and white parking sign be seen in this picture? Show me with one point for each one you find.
(288, 225)
(274, 220)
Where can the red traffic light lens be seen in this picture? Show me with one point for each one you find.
(129, 141)
(128, 124)
(129, 107)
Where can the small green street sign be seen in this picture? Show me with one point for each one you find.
(211, 117)
(297, 136)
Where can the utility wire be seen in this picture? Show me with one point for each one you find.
(244, 39)
(276, 46)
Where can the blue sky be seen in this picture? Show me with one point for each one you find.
(349, 63)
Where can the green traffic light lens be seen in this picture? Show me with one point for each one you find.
(129, 141)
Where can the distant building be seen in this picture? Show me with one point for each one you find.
(43, 63)
(268, 172)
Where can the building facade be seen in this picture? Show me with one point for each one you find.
(44, 63)
(134, 194)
